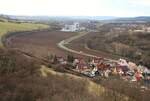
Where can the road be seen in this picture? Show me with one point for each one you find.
(67, 41)
(63, 44)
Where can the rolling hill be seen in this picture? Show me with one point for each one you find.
(7, 26)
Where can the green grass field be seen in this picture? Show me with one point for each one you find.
(6, 27)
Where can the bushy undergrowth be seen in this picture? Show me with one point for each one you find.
(20, 80)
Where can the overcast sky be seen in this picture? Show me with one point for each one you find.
(76, 7)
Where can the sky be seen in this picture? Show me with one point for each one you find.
(119, 8)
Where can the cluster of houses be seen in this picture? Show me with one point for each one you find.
(100, 67)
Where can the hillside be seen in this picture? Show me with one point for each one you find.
(12, 26)
(21, 80)
(24, 79)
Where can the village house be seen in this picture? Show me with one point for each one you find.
(95, 62)
(80, 64)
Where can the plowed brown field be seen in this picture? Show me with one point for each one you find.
(39, 43)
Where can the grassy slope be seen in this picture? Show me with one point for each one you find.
(6, 27)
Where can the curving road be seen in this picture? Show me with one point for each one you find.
(67, 41)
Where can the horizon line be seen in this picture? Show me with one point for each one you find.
(74, 15)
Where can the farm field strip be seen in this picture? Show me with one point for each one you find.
(7, 27)
(39, 43)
